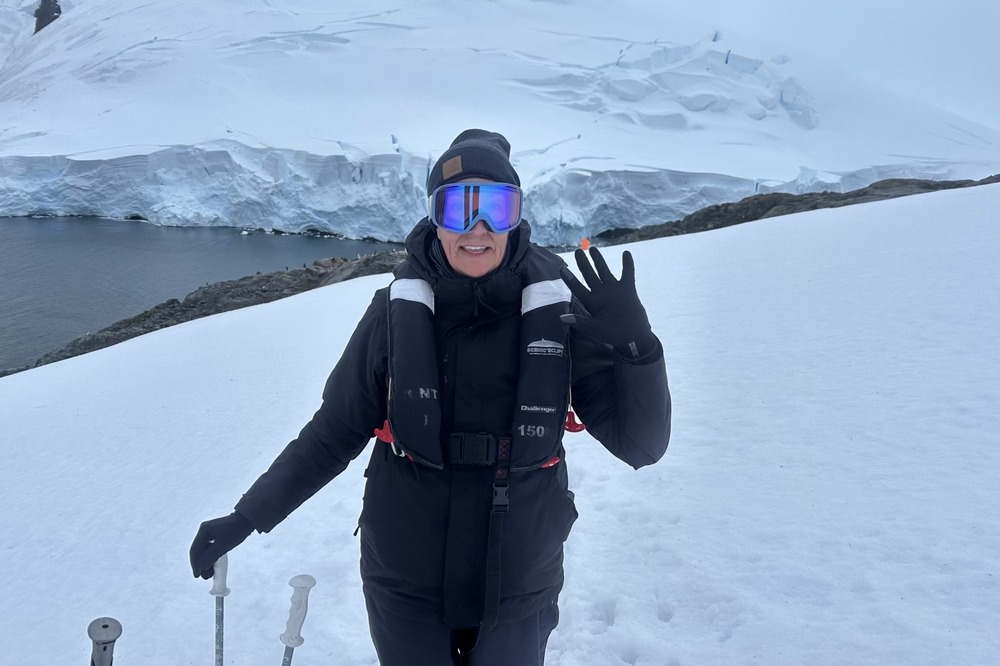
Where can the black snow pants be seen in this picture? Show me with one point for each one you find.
(400, 641)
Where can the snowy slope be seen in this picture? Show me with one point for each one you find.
(831, 494)
(305, 114)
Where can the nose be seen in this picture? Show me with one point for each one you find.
(479, 228)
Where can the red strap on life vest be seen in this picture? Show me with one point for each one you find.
(385, 433)
(572, 425)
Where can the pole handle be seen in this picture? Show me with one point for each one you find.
(103, 631)
(219, 588)
(301, 585)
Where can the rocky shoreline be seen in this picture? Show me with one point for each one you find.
(223, 297)
(266, 287)
(761, 206)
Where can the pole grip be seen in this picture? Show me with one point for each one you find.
(219, 588)
(103, 631)
(301, 585)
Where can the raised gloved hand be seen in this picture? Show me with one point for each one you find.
(616, 316)
(215, 538)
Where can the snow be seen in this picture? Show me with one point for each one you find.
(300, 114)
(831, 494)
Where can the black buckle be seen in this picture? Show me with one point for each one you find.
(472, 448)
(501, 500)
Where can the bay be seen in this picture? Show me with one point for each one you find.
(61, 278)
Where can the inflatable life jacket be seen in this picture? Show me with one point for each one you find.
(544, 378)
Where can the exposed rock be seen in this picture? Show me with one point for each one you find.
(47, 12)
(761, 206)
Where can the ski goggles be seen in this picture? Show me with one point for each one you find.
(460, 206)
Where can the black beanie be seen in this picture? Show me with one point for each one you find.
(474, 153)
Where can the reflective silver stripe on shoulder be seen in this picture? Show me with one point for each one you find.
(418, 291)
(540, 294)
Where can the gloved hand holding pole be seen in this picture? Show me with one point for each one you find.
(216, 538)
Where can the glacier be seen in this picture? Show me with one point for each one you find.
(298, 116)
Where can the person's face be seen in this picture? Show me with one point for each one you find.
(478, 251)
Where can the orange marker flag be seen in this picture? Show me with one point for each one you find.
(585, 243)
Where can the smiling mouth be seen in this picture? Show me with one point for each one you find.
(475, 249)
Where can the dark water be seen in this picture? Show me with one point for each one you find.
(65, 277)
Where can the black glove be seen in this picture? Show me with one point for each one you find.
(616, 316)
(215, 538)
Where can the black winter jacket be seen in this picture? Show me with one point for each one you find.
(423, 530)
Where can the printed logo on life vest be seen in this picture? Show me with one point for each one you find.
(545, 347)
(423, 394)
(538, 409)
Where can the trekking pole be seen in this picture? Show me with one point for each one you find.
(103, 631)
(219, 591)
(292, 638)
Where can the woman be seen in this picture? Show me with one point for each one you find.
(465, 367)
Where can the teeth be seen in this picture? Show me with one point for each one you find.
(474, 248)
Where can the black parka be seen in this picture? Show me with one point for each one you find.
(424, 531)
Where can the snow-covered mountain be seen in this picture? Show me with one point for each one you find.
(309, 114)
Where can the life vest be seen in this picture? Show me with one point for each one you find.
(543, 383)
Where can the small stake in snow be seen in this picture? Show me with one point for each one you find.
(103, 631)
(219, 591)
(292, 637)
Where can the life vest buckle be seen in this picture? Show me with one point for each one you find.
(471, 448)
(501, 499)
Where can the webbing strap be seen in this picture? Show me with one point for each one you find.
(501, 502)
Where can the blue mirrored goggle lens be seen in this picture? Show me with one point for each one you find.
(460, 206)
